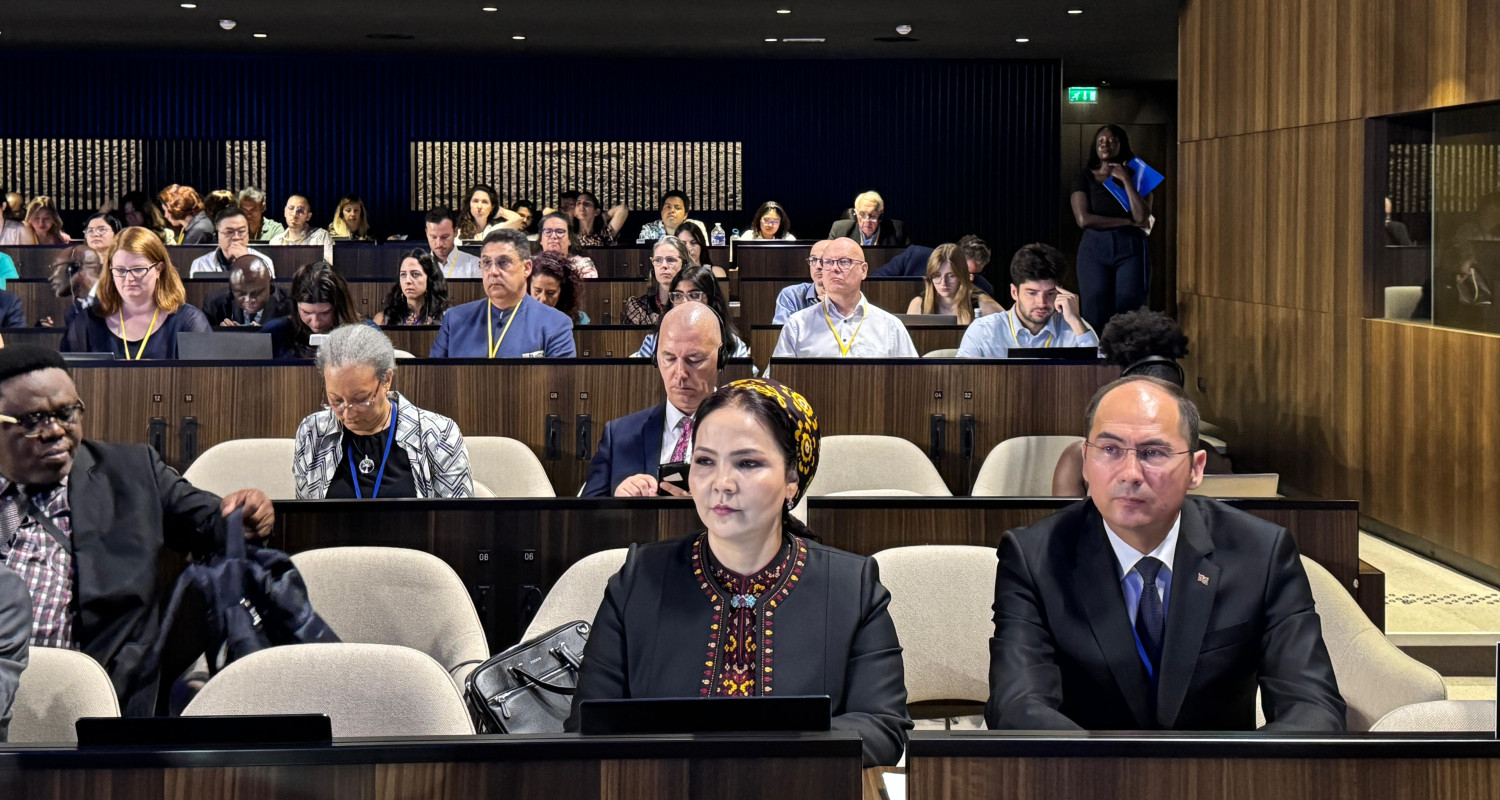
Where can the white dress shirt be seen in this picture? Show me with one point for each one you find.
(993, 336)
(671, 431)
(1130, 581)
(820, 331)
(209, 263)
(459, 265)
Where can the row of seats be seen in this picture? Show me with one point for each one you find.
(411, 636)
(504, 467)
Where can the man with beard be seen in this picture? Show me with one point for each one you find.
(1044, 314)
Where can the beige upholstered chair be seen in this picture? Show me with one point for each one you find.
(875, 462)
(365, 689)
(404, 354)
(507, 467)
(396, 596)
(480, 490)
(940, 603)
(1401, 303)
(1244, 485)
(1022, 467)
(58, 688)
(1374, 676)
(946, 352)
(578, 593)
(264, 464)
(1440, 716)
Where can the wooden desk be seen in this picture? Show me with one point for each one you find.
(554, 766)
(959, 765)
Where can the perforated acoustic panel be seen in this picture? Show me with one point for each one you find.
(635, 173)
(90, 174)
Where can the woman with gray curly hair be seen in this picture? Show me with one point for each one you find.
(369, 441)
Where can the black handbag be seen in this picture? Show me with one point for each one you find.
(528, 688)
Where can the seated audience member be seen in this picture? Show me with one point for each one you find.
(488, 328)
(216, 201)
(12, 315)
(674, 211)
(346, 449)
(350, 220)
(698, 285)
(15, 633)
(796, 297)
(299, 229)
(420, 296)
(75, 271)
(912, 262)
(184, 209)
(1141, 342)
(320, 302)
(8, 271)
(1044, 314)
(590, 225)
(442, 241)
(692, 234)
(634, 446)
(668, 257)
(100, 231)
(869, 227)
(142, 307)
(14, 207)
(525, 217)
(836, 327)
(252, 201)
(557, 237)
(44, 223)
(977, 254)
(565, 202)
(553, 283)
(770, 222)
(139, 210)
(13, 232)
(88, 540)
(478, 212)
(948, 290)
(233, 232)
(754, 452)
(1140, 608)
(251, 299)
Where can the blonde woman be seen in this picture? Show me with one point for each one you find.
(43, 223)
(350, 219)
(949, 291)
(142, 306)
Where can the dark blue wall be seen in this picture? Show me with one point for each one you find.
(954, 146)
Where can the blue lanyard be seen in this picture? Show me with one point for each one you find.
(390, 437)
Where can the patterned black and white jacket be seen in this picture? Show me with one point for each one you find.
(439, 459)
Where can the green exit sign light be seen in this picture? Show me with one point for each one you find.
(1083, 94)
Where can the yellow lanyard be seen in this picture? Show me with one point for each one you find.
(489, 316)
(1015, 334)
(839, 339)
(124, 340)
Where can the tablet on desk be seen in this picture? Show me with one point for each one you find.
(704, 715)
(923, 320)
(207, 731)
(224, 346)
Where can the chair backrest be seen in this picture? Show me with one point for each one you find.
(365, 689)
(1022, 467)
(875, 462)
(480, 490)
(264, 464)
(403, 354)
(1401, 301)
(578, 593)
(940, 602)
(395, 596)
(58, 688)
(1262, 484)
(1440, 716)
(946, 352)
(1374, 676)
(507, 467)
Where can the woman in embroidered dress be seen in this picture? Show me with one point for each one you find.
(694, 617)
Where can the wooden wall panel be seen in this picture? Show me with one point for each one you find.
(1432, 53)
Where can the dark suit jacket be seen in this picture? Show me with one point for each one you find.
(834, 637)
(912, 263)
(126, 504)
(220, 306)
(1240, 612)
(15, 634)
(11, 313)
(892, 232)
(631, 445)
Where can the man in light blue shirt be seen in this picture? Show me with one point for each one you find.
(796, 297)
(1044, 314)
(844, 324)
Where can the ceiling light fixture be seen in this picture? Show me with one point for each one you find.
(519, 37)
(489, 8)
(771, 40)
(189, 5)
(227, 24)
(806, 40)
(260, 35)
(1022, 40)
(903, 29)
(783, 11)
(1075, 11)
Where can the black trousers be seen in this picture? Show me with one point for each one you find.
(1114, 271)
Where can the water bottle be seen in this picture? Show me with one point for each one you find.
(716, 239)
(735, 234)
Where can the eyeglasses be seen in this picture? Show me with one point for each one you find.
(682, 297)
(1149, 457)
(343, 406)
(583, 204)
(770, 222)
(235, 233)
(133, 272)
(497, 264)
(96, 230)
(842, 263)
(864, 217)
(665, 261)
(35, 424)
(72, 266)
(814, 261)
(554, 233)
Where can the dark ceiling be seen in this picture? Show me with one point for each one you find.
(1111, 42)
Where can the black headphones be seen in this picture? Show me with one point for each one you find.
(1157, 367)
(723, 346)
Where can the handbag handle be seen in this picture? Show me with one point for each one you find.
(526, 677)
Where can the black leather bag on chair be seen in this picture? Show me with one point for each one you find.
(528, 688)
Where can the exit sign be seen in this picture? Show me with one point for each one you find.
(1083, 94)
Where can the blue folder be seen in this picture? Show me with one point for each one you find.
(1146, 179)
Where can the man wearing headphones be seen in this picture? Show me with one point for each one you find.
(689, 355)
